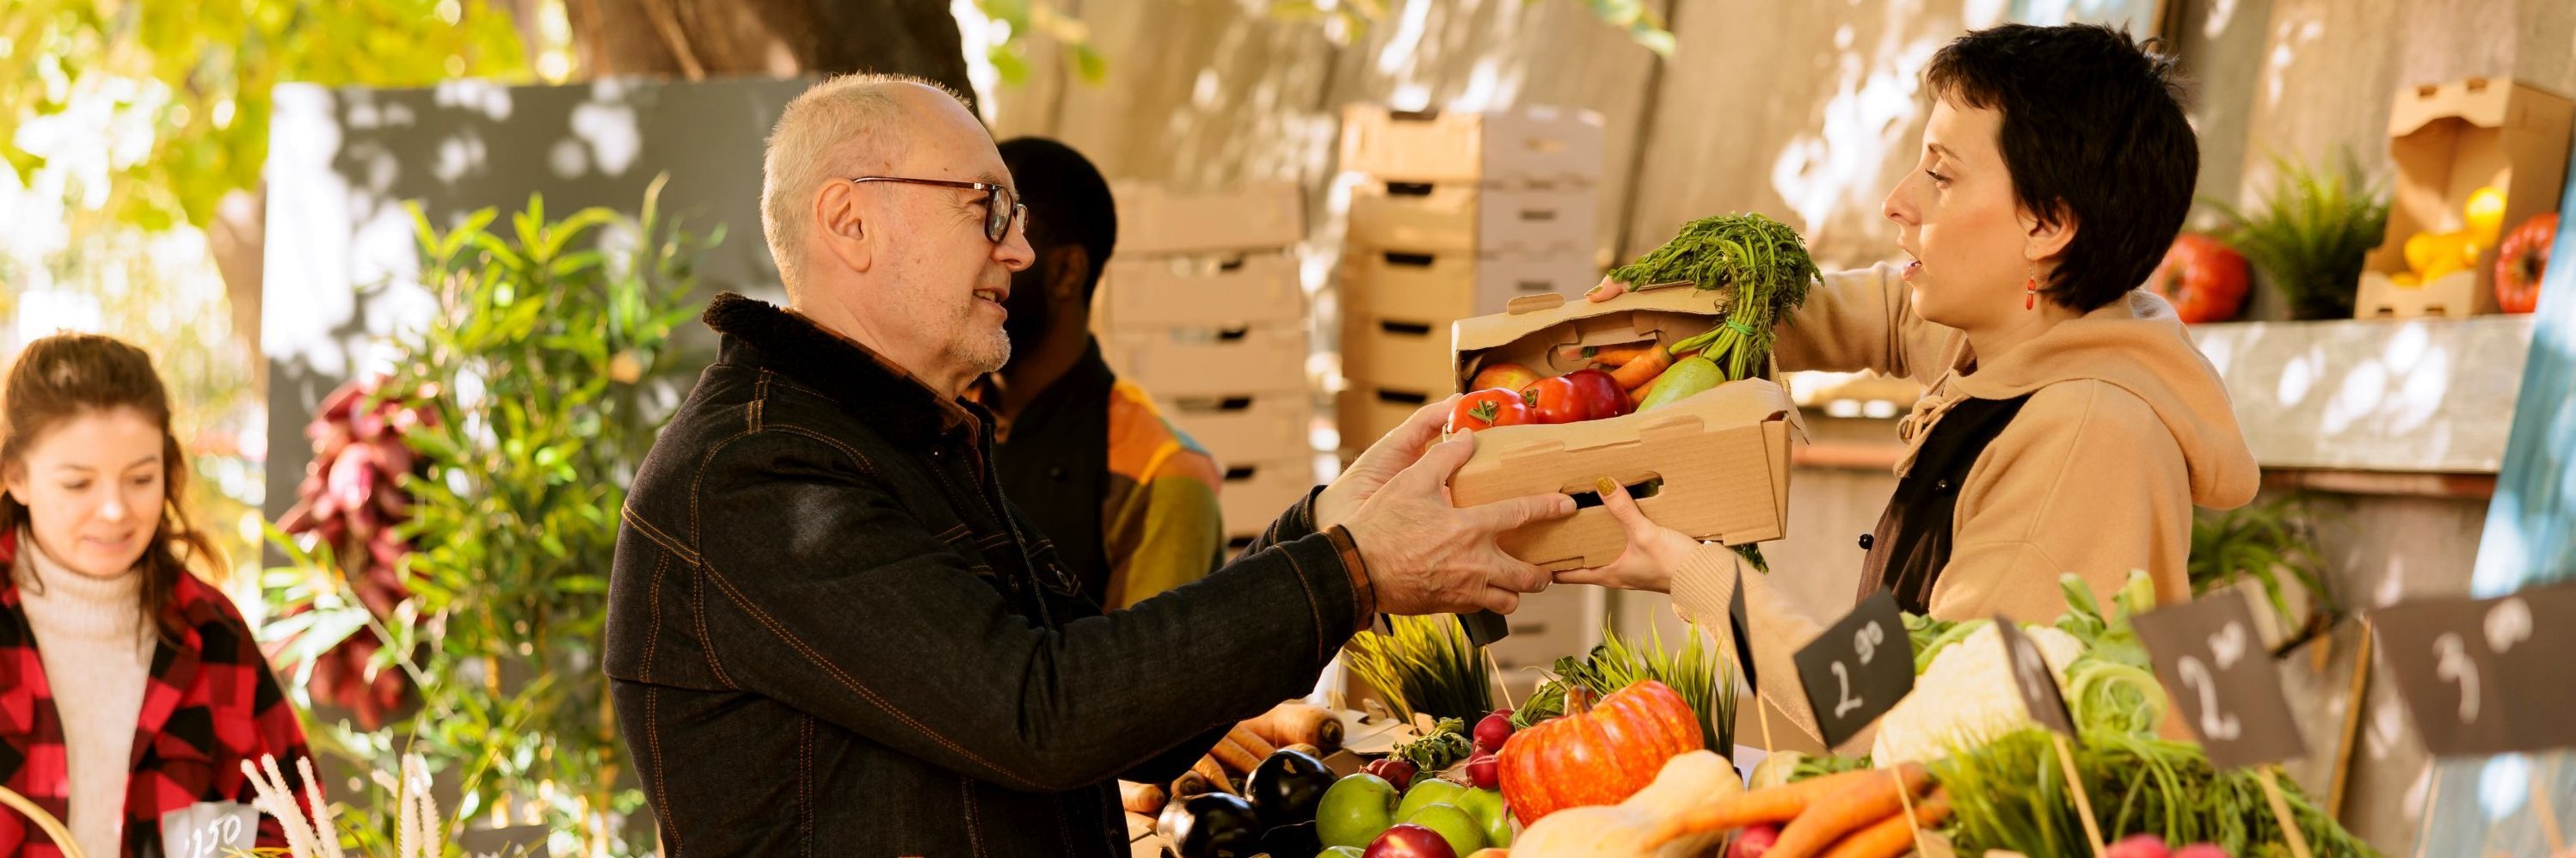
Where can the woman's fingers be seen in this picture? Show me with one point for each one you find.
(1623, 509)
(1606, 290)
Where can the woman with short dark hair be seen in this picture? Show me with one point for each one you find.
(2067, 422)
(128, 687)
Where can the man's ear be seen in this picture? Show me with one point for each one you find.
(841, 227)
(1068, 270)
(2048, 240)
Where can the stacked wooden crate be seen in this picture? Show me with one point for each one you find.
(1454, 215)
(1201, 307)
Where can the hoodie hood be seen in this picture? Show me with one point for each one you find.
(2137, 344)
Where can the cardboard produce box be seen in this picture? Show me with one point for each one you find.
(1254, 494)
(1522, 146)
(1258, 427)
(1153, 221)
(1173, 363)
(1238, 291)
(1714, 466)
(1452, 285)
(1404, 353)
(2448, 141)
(1458, 216)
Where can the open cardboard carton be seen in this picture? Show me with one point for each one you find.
(2449, 140)
(1714, 466)
(1525, 145)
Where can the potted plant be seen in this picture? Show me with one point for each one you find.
(2309, 232)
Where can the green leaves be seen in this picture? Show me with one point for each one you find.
(1762, 262)
(1427, 665)
(2266, 543)
(1702, 676)
(536, 433)
(2310, 234)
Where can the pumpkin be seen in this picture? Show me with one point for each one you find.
(2204, 279)
(1600, 756)
(2521, 260)
(1621, 830)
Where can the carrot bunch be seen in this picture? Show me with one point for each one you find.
(1858, 814)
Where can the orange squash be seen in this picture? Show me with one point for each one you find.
(1598, 756)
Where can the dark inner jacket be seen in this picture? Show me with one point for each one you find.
(830, 632)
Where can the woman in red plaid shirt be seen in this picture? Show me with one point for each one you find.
(128, 687)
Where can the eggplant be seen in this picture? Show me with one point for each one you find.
(1287, 840)
(1212, 825)
(1285, 788)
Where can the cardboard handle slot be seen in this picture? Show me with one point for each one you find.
(1232, 263)
(1240, 473)
(1409, 260)
(1232, 334)
(1546, 145)
(1538, 215)
(1207, 404)
(1587, 497)
(1533, 303)
(1424, 115)
(1403, 397)
(1535, 286)
(1404, 329)
(1408, 189)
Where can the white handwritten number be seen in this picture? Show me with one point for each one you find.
(1849, 702)
(2213, 725)
(1866, 641)
(2452, 663)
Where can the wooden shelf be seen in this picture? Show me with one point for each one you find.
(2426, 396)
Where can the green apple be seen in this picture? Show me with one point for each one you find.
(1453, 824)
(1343, 852)
(1355, 811)
(1426, 791)
(1488, 808)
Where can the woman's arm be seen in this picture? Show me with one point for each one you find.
(1703, 593)
(1863, 319)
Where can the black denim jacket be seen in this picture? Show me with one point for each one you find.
(829, 633)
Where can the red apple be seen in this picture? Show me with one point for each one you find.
(1395, 770)
(1508, 376)
(1486, 771)
(1492, 732)
(1410, 841)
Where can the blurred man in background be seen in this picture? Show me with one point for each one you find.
(1129, 501)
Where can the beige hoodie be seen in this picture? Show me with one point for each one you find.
(2126, 429)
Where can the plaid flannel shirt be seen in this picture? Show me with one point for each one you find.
(210, 703)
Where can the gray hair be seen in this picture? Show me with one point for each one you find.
(827, 133)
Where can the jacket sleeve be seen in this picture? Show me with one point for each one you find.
(1863, 319)
(2033, 508)
(1703, 593)
(842, 605)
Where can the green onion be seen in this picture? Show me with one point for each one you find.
(1763, 262)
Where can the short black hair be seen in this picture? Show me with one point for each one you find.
(1068, 201)
(2093, 127)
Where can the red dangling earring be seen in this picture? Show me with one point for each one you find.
(2030, 289)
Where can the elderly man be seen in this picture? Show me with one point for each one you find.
(829, 632)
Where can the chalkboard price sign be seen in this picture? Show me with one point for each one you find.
(1858, 669)
(2216, 670)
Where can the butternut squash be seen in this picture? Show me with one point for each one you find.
(1621, 830)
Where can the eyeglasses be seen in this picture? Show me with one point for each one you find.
(1001, 206)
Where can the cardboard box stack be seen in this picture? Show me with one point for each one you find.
(1201, 307)
(1455, 214)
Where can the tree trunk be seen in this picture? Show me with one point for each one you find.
(697, 38)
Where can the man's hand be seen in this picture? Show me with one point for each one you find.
(1383, 460)
(1426, 557)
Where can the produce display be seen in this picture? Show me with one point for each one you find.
(1438, 814)
(2430, 255)
(2204, 278)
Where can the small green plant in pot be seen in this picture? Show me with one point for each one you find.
(2268, 544)
(2309, 233)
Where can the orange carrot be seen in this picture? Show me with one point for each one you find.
(1736, 810)
(1851, 807)
(1601, 356)
(1643, 368)
(1892, 836)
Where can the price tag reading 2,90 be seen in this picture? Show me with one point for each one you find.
(2485, 676)
(1858, 669)
(2216, 670)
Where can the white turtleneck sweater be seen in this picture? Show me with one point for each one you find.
(97, 654)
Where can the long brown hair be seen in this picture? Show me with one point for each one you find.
(61, 377)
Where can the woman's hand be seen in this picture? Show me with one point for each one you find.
(1606, 290)
(1653, 552)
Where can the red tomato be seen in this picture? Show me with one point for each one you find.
(1558, 400)
(1602, 391)
(2203, 278)
(2520, 260)
(1486, 409)
(1508, 376)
